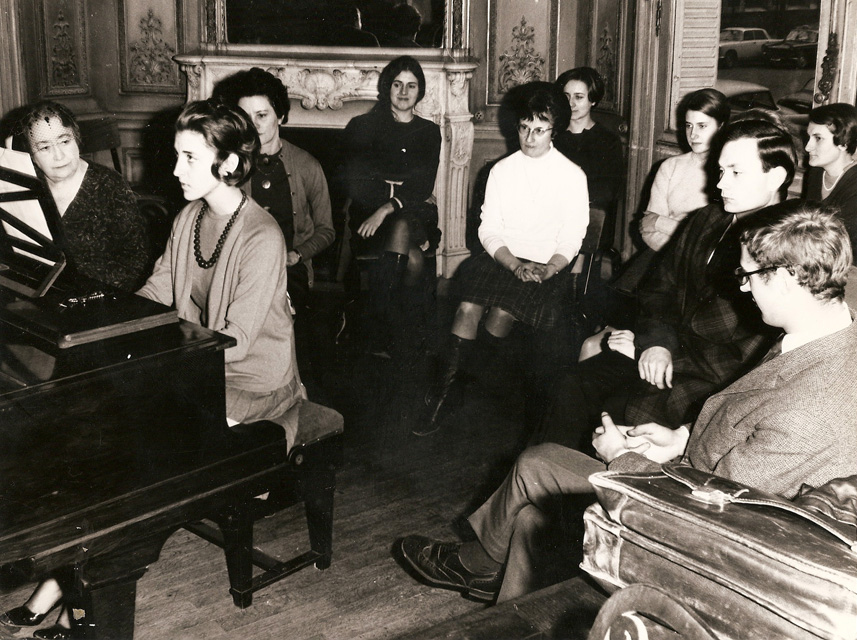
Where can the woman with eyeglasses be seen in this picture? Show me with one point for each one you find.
(832, 176)
(534, 218)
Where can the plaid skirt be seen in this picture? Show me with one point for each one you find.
(482, 281)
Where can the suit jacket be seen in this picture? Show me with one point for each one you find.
(792, 420)
(692, 306)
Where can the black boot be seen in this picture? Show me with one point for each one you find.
(440, 398)
(385, 283)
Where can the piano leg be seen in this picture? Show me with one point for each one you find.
(237, 531)
(103, 601)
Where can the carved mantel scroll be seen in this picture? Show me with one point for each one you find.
(331, 89)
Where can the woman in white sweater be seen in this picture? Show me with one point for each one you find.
(534, 218)
(680, 184)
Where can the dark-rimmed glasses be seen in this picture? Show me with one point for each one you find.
(525, 131)
(744, 276)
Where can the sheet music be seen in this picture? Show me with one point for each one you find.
(27, 211)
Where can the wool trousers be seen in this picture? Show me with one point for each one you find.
(513, 521)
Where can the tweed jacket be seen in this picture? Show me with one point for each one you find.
(691, 305)
(792, 420)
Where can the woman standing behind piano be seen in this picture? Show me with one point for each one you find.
(105, 233)
(224, 268)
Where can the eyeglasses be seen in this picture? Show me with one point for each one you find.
(525, 131)
(744, 276)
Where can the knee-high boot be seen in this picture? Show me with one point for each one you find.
(440, 398)
(385, 283)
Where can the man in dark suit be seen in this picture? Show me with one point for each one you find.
(695, 333)
(793, 419)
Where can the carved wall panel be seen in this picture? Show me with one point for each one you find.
(65, 69)
(521, 44)
(148, 39)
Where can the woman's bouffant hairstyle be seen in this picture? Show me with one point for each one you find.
(541, 100)
(588, 76)
(396, 66)
(254, 82)
(775, 141)
(841, 119)
(708, 101)
(226, 130)
(808, 240)
(44, 111)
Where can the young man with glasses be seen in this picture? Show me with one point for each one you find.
(789, 421)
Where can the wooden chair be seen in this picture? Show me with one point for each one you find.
(307, 474)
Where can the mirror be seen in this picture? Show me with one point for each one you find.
(767, 56)
(336, 23)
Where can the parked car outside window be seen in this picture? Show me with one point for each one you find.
(742, 44)
(798, 49)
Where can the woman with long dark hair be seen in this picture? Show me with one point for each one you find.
(393, 155)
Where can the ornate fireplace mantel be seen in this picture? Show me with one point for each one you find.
(330, 86)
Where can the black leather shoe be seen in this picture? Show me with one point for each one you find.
(439, 564)
(56, 632)
(21, 617)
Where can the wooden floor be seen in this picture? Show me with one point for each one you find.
(392, 483)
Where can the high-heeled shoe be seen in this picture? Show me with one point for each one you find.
(22, 617)
(55, 632)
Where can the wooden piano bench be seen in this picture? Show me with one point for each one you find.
(305, 473)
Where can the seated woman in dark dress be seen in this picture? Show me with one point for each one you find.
(588, 144)
(105, 238)
(393, 155)
(534, 219)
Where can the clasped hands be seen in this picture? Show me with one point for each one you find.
(656, 363)
(535, 272)
(654, 441)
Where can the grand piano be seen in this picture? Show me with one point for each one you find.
(112, 436)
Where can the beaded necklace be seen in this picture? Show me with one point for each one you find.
(836, 181)
(197, 253)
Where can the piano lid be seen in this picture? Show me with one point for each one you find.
(31, 256)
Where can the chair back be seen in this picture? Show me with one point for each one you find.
(101, 134)
(590, 249)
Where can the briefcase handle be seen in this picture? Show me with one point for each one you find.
(719, 491)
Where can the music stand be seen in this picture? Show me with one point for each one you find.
(31, 257)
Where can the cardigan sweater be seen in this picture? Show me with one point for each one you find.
(678, 189)
(536, 207)
(312, 220)
(247, 298)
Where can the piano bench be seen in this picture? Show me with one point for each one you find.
(306, 474)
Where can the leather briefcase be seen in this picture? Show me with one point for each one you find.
(750, 565)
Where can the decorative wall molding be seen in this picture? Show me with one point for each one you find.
(66, 70)
(333, 88)
(149, 37)
(522, 44)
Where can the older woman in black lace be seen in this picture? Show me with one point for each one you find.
(105, 239)
(105, 235)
